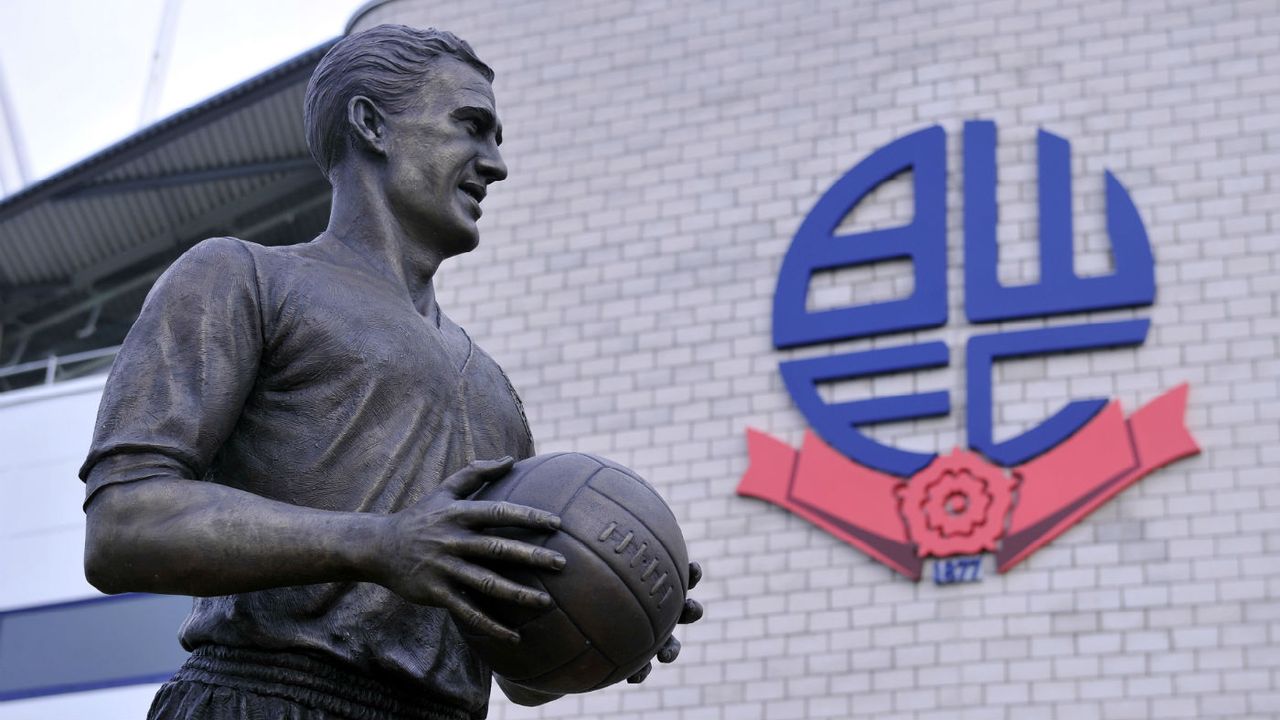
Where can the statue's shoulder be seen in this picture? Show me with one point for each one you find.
(232, 258)
(222, 267)
(215, 266)
(215, 252)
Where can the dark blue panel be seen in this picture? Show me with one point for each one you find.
(1059, 290)
(90, 644)
(837, 424)
(983, 350)
(817, 247)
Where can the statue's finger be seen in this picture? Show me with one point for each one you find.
(670, 650)
(473, 477)
(470, 616)
(490, 583)
(692, 611)
(486, 513)
(695, 574)
(508, 550)
(641, 674)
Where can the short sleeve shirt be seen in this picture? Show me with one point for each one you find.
(301, 375)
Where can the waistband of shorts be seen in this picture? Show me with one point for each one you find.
(310, 681)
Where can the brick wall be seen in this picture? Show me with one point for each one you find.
(662, 155)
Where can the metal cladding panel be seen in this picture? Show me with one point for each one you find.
(90, 644)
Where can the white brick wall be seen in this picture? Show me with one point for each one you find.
(662, 155)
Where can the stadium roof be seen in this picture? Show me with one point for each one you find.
(79, 250)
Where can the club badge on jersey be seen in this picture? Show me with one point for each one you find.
(1007, 496)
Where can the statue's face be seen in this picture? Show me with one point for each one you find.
(442, 155)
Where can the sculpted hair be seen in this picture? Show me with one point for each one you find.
(387, 64)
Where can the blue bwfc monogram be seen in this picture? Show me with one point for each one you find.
(1059, 291)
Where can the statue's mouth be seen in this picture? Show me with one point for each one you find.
(476, 190)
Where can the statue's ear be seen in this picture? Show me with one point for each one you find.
(368, 124)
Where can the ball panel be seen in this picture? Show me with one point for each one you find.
(599, 603)
(547, 642)
(502, 488)
(634, 556)
(550, 484)
(606, 462)
(626, 489)
(588, 671)
(623, 672)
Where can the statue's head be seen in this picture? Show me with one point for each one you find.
(410, 116)
(389, 65)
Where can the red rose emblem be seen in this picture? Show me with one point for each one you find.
(956, 506)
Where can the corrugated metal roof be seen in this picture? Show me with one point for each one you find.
(153, 182)
(236, 164)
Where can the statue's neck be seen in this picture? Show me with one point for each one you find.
(362, 220)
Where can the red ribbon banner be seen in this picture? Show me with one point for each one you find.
(961, 504)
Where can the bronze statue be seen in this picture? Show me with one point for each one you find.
(290, 434)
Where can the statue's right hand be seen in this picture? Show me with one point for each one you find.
(429, 549)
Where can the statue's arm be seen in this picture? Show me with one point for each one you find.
(164, 535)
(184, 537)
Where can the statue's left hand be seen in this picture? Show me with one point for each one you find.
(692, 612)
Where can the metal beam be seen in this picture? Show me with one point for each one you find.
(189, 177)
(35, 288)
(283, 213)
(12, 138)
(55, 360)
(25, 331)
(160, 61)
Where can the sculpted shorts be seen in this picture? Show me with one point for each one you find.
(221, 683)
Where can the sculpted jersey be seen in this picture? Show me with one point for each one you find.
(299, 374)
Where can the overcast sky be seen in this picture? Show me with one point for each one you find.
(77, 70)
